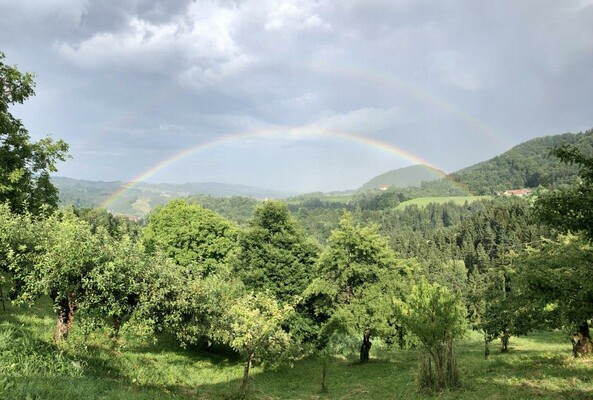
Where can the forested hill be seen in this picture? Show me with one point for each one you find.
(404, 177)
(144, 197)
(527, 165)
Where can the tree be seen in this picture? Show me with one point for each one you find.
(192, 236)
(571, 208)
(112, 291)
(64, 257)
(493, 308)
(252, 325)
(333, 339)
(274, 254)
(557, 286)
(18, 241)
(25, 166)
(436, 316)
(116, 225)
(351, 280)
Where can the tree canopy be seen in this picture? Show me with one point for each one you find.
(569, 209)
(191, 235)
(25, 166)
(274, 254)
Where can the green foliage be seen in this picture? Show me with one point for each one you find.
(200, 306)
(357, 274)
(24, 165)
(112, 291)
(252, 325)
(557, 282)
(571, 209)
(236, 208)
(274, 254)
(192, 236)
(494, 308)
(433, 314)
(425, 201)
(436, 316)
(163, 284)
(353, 257)
(526, 165)
(116, 225)
(65, 254)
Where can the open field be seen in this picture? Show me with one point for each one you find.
(32, 367)
(424, 201)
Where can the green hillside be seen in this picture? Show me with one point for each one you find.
(142, 198)
(404, 177)
(526, 165)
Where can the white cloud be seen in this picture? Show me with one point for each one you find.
(293, 15)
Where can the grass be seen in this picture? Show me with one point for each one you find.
(424, 201)
(539, 366)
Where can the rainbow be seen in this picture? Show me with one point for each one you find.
(381, 79)
(295, 133)
(376, 78)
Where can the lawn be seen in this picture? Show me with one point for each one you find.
(94, 367)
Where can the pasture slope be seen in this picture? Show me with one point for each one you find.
(539, 366)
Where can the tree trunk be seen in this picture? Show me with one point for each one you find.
(486, 347)
(66, 309)
(246, 374)
(324, 375)
(439, 370)
(2, 297)
(365, 348)
(582, 345)
(117, 321)
(504, 339)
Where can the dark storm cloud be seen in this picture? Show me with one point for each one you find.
(131, 82)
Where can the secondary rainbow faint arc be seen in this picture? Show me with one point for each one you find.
(375, 77)
(273, 132)
(414, 91)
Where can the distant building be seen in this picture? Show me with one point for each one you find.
(384, 187)
(517, 192)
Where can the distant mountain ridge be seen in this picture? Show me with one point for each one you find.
(526, 165)
(143, 197)
(404, 177)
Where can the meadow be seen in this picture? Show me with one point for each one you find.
(93, 366)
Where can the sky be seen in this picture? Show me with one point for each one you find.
(296, 95)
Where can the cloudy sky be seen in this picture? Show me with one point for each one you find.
(297, 95)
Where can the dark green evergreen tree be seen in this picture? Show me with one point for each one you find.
(274, 254)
